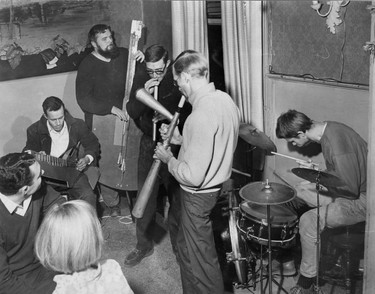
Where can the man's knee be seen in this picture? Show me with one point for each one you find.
(307, 223)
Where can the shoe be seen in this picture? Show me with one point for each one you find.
(136, 256)
(285, 269)
(299, 290)
(115, 211)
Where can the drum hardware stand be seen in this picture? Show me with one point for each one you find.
(317, 187)
(265, 193)
(270, 278)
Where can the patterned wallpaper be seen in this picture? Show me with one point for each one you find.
(301, 43)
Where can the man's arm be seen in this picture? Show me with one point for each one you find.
(9, 282)
(32, 141)
(84, 90)
(85, 87)
(89, 141)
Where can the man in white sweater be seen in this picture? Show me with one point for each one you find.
(204, 163)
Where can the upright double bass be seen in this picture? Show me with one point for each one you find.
(121, 139)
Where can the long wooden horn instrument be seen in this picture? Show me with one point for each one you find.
(145, 193)
(143, 96)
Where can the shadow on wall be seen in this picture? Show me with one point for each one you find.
(18, 131)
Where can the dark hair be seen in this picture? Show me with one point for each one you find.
(291, 122)
(52, 103)
(191, 61)
(15, 172)
(97, 29)
(156, 52)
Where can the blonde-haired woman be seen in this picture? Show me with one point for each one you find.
(70, 241)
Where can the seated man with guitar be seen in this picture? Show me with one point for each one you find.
(56, 138)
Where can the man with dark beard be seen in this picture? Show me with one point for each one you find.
(100, 89)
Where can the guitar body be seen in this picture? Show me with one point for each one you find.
(108, 129)
(64, 176)
(61, 171)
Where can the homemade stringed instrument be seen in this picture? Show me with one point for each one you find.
(120, 139)
(61, 171)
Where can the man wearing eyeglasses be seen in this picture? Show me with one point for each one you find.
(156, 75)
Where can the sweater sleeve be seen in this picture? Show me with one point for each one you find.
(9, 282)
(89, 141)
(85, 88)
(192, 170)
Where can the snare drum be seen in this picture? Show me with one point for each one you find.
(253, 223)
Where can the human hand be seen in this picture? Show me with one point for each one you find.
(176, 137)
(82, 163)
(308, 164)
(139, 56)
(122, 115)
(150, 85)
(162, 153)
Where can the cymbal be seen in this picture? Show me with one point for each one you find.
(256, 138)
(265, 193)
(325, 179)
(335, 186)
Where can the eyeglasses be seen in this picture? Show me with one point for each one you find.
(157, 72)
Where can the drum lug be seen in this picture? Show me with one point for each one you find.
(250, 232)
(231, 257)
(283, 233)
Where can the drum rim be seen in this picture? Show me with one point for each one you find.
(293, 218)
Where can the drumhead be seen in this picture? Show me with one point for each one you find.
(238, 246)
(279, 214)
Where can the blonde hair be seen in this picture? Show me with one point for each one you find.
(70, 238)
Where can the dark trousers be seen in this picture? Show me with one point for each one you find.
(144, 225)
(82, 190)
(197, 256)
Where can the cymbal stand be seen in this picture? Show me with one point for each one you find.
(270, 278)
(317, 187)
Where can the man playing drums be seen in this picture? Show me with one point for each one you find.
(345, 155)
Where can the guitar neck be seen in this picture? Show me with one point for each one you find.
(54, 161)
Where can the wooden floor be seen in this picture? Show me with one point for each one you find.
(159, 273)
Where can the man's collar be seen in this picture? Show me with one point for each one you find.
(12, 206)
(51, 130)
(100, 57)
(210, 87)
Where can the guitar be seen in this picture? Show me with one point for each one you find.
(61, 171)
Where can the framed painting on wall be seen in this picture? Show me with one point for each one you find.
(46, 37)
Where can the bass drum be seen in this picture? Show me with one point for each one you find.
(238, 255)
(230, 245)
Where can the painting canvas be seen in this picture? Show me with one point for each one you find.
(45, 37)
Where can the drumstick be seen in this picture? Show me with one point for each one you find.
(241, 173)
(296, 159)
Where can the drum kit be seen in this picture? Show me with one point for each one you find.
(261, 220)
